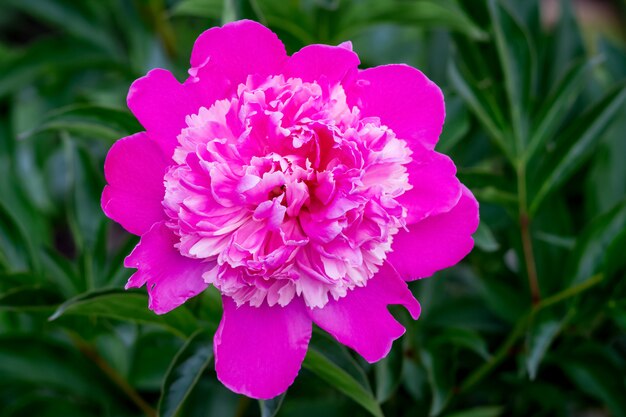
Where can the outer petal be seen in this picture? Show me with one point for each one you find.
(259, 350)
(437, 242)
(161, 104)
(404, 99)
(436, 188)
(361, 320)
(171, 279)
(237, 50)
(134, 169)
(315, 62)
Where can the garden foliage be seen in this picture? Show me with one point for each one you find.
(533, 322)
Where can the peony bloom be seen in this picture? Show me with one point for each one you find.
(304, 189)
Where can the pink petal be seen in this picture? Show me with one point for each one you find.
(161, 104)
(436, 188)
(314, 62)
(259, 350)
(236, 50)
(361, 320)
(134, 170)
(171, 279)
(404, 99)
(437, 242)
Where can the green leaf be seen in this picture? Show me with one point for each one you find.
(541, 333)
(45, 405)
(151, 357)
(558, 104)
(90, 121)
(415, 380)
(326, 366)
(590, 253)
(69, 19)
(490, 411)
(481, 104)
(439, 378)
(127, 306)
(584, 133)
(424, 13)
(517, 59)
(29, 298)
(484, 239)
(463, 338)
(229, 12)
(456, 126)
(42, 58)
(16, 247)
(60, 272)
(388, 374)
(269, 408)
(595, 371)
(184, 373)
(42, 362)
(84, 212)
(212, 9)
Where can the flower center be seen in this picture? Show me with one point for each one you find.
(287, 191)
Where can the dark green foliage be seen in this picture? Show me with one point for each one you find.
(532, 323)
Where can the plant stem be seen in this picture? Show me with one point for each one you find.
(529, 258)
(92, 354)
(527, 242)
(162, 26)
(504, 349)
(498, 357)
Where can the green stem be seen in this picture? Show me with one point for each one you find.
(163, 27)
(92, 354)
(520, 328)
(498, 357)
(527, 242)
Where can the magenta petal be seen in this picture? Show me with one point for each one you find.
(361, 319)
(161, 104)
(134, 170)
(259, 350)
(171, 279)
(404, 99)
(437, 242)
(436, 188)
(315, 62)
(237, 50)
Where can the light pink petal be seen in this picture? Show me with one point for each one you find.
(238, 49)
(259, 350)
(170, 278)
(437, 242)
(436, 188)
(315, 62)
(361, 319)
(134, 170)
(404, 99)
(161, 104)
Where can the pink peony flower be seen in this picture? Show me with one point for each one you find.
(304, 189)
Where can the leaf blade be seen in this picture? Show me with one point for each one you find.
(126, 306)
(184, 373)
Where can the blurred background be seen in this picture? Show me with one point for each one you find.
(532, 323)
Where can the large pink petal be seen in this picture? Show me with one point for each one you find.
(134, 169)
(436, 188)
(361, 320)
(237, 50)
(314, 62)
(259, 350)
(404, 99)
(161, 104)
(436, 242)
(171, 279)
